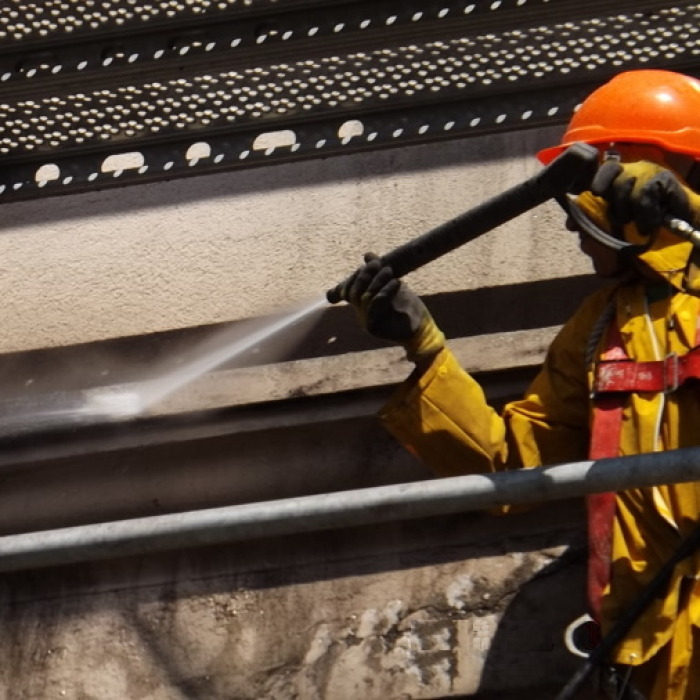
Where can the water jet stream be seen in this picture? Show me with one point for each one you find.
(157, 390)
(66, 408)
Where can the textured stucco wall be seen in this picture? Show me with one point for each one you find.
(229, 246)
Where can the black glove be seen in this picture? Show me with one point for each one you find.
(389, 310)
(643, 193)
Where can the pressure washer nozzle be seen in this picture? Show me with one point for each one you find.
(333, 296)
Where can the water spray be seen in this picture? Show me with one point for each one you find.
(157, 390)
(58, 409)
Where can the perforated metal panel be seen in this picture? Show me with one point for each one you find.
(95, 94)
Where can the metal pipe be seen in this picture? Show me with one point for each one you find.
(344, 509)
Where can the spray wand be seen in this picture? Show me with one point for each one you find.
(571, 171)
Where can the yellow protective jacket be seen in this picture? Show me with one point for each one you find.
(442, 416)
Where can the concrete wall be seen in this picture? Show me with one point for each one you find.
(116, 287)
(225, 247)
(467, 606)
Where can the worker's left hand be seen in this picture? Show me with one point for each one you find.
(644, 193)
(389, 310)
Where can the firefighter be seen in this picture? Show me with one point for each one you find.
(646, 125)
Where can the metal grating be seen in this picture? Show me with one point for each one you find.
(29, 20)
(181, 87)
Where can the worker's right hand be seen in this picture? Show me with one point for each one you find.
(644, 193)
(389, 310)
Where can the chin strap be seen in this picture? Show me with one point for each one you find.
(569, 204)
(680, 228)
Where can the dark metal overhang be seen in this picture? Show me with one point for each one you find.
(99, 94)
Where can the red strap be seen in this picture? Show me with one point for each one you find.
(663, 375)
(607, 426)
(605, 442)
(617, 375)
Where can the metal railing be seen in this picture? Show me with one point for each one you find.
(344, 509)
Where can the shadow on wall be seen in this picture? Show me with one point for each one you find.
(467, 313)
(263, 619)
(178, 193)
(529, 637)
(526, 657)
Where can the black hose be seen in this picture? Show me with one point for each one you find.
(630, 616)
(572, 170)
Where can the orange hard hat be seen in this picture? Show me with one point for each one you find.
(655, 107)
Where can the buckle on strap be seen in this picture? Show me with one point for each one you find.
(671, 372)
